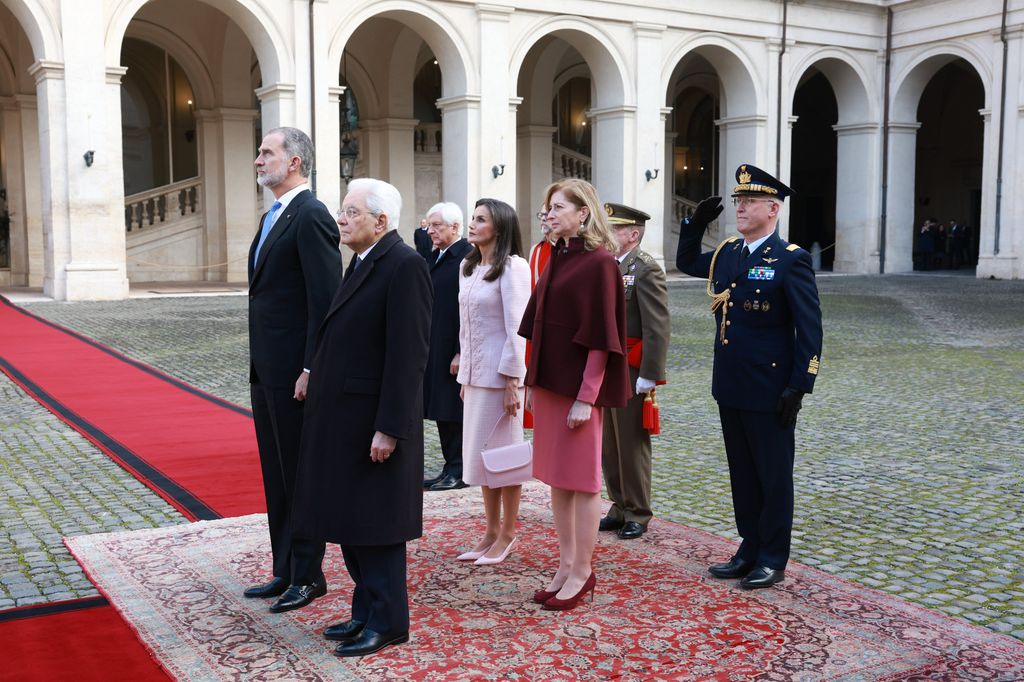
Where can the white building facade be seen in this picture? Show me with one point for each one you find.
(128, 127)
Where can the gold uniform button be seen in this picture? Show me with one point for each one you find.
(730, 304)
(728, 322)
(725, 342)
(734, 285)
(773, 364)
(757, 291)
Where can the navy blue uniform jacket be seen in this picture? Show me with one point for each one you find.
(773, 337)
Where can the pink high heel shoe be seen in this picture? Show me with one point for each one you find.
(484, 561)
(472, 556)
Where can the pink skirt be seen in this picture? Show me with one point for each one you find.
(565, 458)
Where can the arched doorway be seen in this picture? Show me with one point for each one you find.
(931, 177)
(189, 121)
(812, 211)
(573, 118)
(22, 244)
(948, 170)
(405, 78)
(716, 123)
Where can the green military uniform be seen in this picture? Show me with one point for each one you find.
(626, 456)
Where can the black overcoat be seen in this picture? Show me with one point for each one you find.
(367, 376)
(441, 401)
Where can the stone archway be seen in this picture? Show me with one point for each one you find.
(906, 203)
(575, 112)
(833, 167)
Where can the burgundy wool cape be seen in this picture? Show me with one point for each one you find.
(579, 305)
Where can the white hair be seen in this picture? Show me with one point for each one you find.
(381, 197)
(450, 213)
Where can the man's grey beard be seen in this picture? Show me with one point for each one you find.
(271, 179)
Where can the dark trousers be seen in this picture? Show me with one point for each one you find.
(380, 597)
(450, 434)
(278, 418)
(760, 452)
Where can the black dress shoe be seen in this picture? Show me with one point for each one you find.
(631, 530)
(762, 576)
(297, 596)
(431, 481)
(274, 588)
(344, 632)
(608, 523)
(733, 568)
(369, 642)
(449, 482)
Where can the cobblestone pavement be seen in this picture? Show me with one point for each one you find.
(909, 452)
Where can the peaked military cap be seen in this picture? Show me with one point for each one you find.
(751, 180)
(618, 214)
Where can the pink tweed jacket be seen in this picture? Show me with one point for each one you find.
(489, 318)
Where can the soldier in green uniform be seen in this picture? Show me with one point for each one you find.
(626, 455)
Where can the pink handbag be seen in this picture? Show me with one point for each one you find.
(507, 464)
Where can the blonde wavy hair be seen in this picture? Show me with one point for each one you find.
(595, 231)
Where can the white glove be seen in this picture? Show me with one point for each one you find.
(644, 385)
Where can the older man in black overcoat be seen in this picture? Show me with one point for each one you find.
(441, 400)
(360, 478)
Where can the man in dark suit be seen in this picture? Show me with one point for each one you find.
(360, 477)
(441, 401)
(767, 350)
(421, 239)
(626, 446)
(294, 270)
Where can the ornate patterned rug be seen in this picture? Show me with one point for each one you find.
(657, 614)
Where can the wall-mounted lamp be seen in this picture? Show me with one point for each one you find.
(349, 153)
(88, 156)
(651, 174)
(498, 170)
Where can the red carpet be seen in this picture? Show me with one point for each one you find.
(85, 640)
(657, 614)
(181, 442)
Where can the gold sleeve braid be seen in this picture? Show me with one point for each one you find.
(719, 300)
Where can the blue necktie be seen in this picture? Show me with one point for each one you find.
(268, 223)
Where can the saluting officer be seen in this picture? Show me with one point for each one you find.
(626, 451)
(767, 350)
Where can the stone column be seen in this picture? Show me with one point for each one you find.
(460, 151)
(613, 152)
(650, 152)
(14, 174)
(900, 227)
(497, 109)
(394, 162)
(32, 186)
(738, 136)
(856, 198)
(533, 155)
(228, 191)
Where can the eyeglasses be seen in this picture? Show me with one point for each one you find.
(747, 201)
(542, 215)
(352, 213)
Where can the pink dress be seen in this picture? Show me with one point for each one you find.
(566, 458)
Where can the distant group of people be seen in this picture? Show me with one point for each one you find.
(942, 246)
(473, 336)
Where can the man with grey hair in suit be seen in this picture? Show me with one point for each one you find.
(441, 401)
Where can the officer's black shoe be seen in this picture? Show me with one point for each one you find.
(608, 523)
(346, 631)
(449, 482)
(297, 596)
(762, 576)
(274, 588)
(631, 530)
(733, 568)
(431, 481)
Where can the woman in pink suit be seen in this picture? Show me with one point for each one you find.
(576, 321)
(493, 290)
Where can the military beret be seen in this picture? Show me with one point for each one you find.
(751, 180)
(619, 214)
